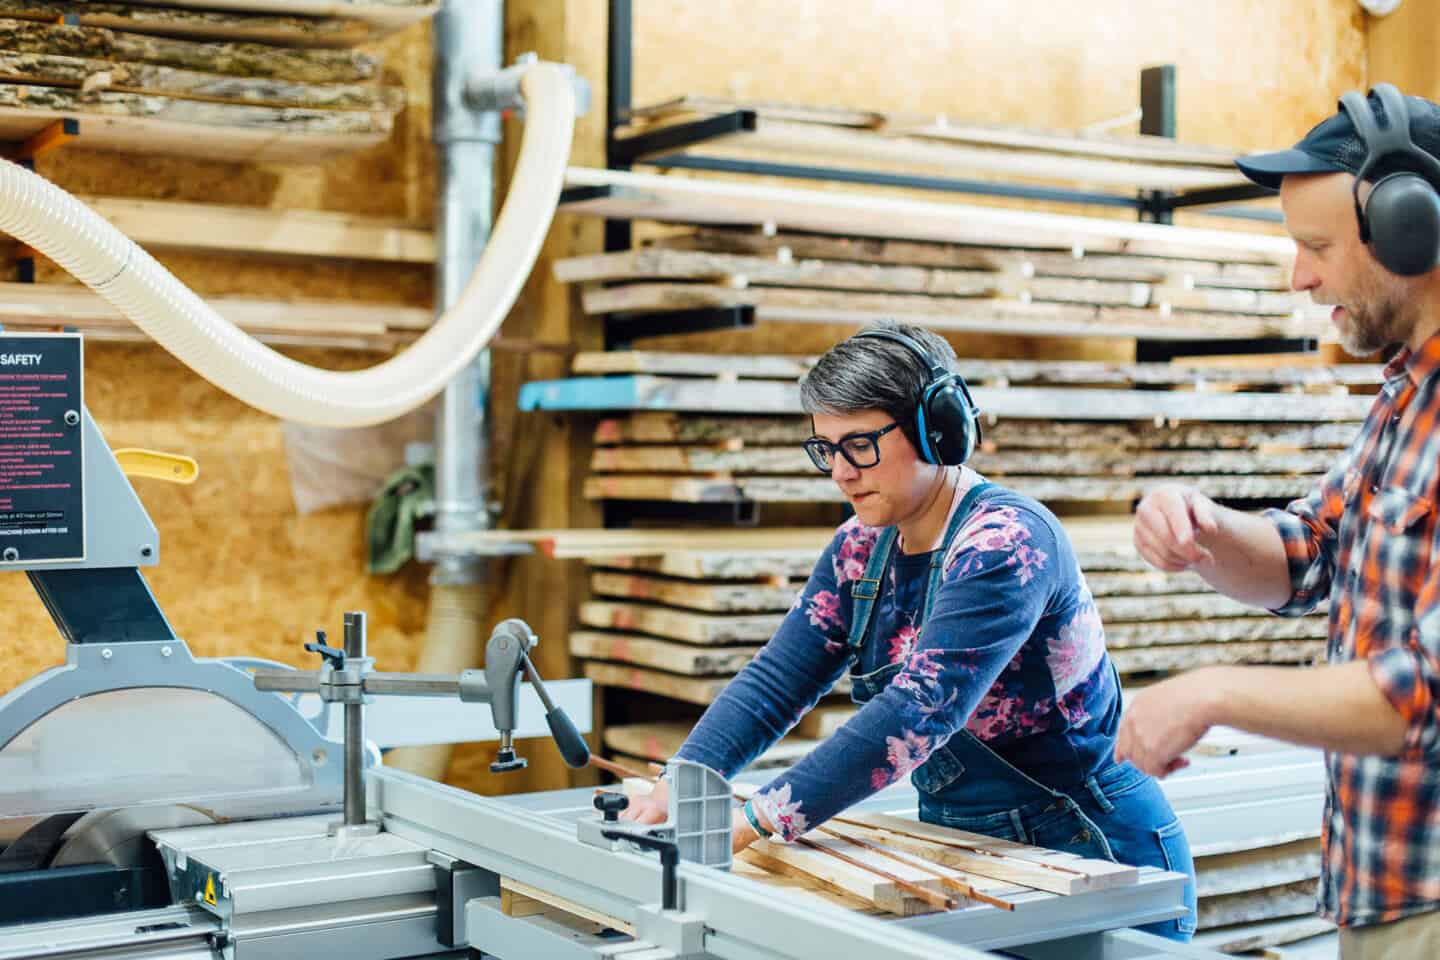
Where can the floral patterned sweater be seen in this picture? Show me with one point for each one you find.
(1014, 653)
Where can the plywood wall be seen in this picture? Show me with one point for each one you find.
(241, 573)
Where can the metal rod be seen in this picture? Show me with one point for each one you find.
(413, 684)
(619, 88)
(535, 682)
(909, 181)
(354, 727)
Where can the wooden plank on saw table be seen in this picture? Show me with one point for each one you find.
(658, 742)
(1238, 629)
(1061, 262)
(524, 900)
(854, 880)
(975, 314)
(643, 651)
(1189, 655)
(681, 624)
(1030, 866)
(705, 596)
(674, 199)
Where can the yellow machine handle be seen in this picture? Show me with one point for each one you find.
(155, 465)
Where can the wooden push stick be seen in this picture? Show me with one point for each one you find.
(964, 889)
(935, 899)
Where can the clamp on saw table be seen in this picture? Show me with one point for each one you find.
(347, 677)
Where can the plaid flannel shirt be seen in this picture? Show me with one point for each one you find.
(1366, 540)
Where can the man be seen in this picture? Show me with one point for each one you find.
(1365, 539)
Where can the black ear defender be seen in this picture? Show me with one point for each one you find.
(946, 418)
(1401, 218)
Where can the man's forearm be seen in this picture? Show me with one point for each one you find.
(1337, 708)
(1249, 560)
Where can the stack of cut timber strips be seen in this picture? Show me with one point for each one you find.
(938, 146)
(681, 623)
(927, 856)
(253, 82)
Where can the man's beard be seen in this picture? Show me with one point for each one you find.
(1374, 327)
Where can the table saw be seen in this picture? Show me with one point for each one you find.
(155, 804)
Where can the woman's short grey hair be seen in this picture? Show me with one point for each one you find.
(871, 373)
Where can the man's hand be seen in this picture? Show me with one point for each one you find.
(1163, 721)
(1171, 524)
(649, 809)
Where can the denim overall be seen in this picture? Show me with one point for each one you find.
(1116, 813)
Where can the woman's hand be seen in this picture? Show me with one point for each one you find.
(741, 833)
(654, 808)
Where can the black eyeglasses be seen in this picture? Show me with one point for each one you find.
(860, 449)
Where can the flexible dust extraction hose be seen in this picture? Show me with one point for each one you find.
(38, 213)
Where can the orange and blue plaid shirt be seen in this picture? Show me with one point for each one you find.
(1366, 540)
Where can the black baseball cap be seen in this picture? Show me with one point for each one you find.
(1334, 146)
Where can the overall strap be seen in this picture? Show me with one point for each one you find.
(866, 590)
(937, 559)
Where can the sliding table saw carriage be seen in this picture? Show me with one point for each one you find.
(157, 805)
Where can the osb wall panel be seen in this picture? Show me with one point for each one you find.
(240, 572)
(1401, 48)
(1250, 73)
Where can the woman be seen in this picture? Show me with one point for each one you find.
(972, 641)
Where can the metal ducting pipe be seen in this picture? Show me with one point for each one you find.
(469, 38)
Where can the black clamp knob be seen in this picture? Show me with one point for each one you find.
(610, 804)
(336, 658)
(506, 760)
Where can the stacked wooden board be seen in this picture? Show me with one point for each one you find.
(839, 138)
(253, 82)
(991, 288)
(1058, 432)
